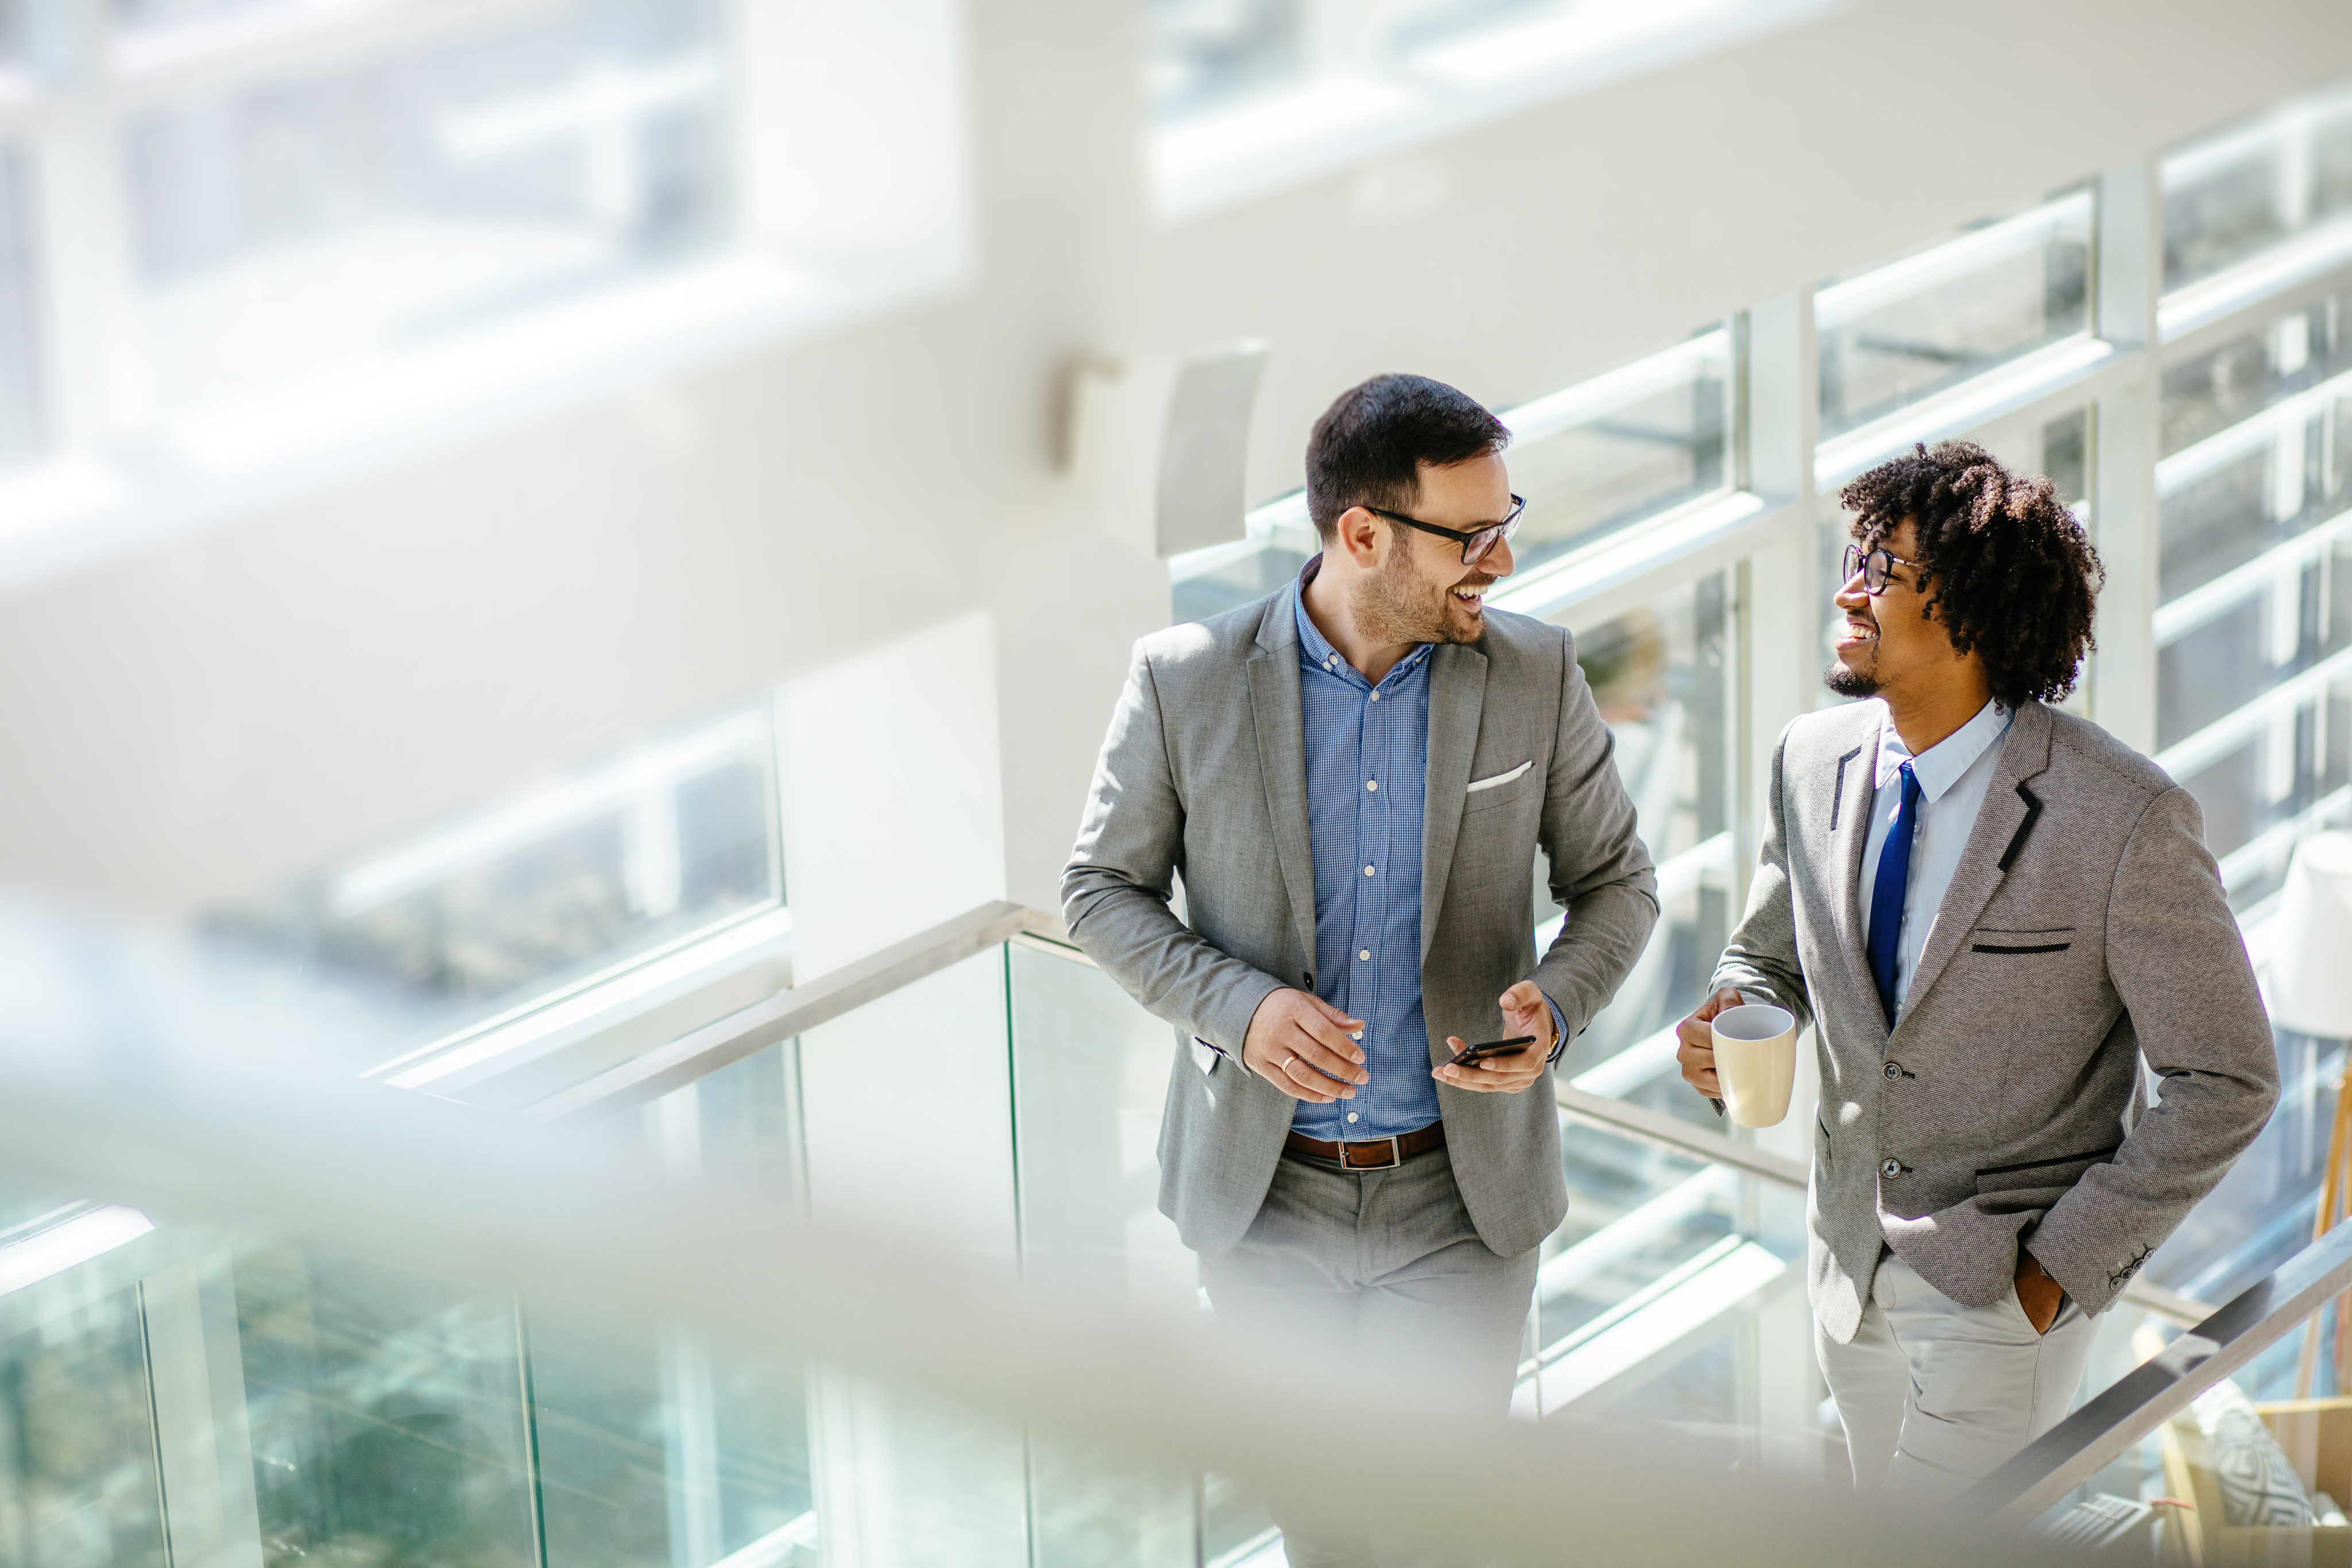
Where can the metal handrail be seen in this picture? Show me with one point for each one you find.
(1676, 1136)
(643, 1079)
(2073, 1451)
(695, 1055)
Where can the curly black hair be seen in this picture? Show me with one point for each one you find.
(2005, 567)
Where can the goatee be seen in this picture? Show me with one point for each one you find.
(1848, 682)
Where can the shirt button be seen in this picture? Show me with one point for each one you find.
(1376, 696)
(1351, 1115)
(1365, 954)
(1371, 783)
(1358, 1035)
(1893, 1071)
(1892, 1168)
(1368, 870)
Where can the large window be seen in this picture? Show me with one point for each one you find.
(497, 909)
(2285, 177)
(1594, 460)
(1248, 93)
(1903, 330)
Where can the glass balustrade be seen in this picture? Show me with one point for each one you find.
(357, 1413)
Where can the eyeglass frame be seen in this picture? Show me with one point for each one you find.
(1499, 532)
(1856, 560)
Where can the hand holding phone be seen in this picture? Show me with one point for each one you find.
(1470, 1053)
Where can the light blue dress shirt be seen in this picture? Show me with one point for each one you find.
(1954, 775)
(1367, 767)
(1367, 754)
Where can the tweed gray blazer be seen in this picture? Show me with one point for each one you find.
(1205, 775)
(2085, 929)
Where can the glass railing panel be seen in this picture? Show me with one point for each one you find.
(1090, 1075)
(386, 1414)
(1090, 1078)
(1923, 323)
(670, 1450)
(78, 1483)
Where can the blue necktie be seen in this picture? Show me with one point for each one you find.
(1887, 893)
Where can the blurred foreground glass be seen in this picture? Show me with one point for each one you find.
(294, 209)
(2285, 178)
(497, 908)
(1919, 325)
(79, 1485)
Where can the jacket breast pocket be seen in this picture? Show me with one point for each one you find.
(1996, 943)
(1504, 788)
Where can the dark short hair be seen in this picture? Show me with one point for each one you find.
(2009, 571)
(1367, 448)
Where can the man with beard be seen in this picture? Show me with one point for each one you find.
(1991, 912)
(1353, 776)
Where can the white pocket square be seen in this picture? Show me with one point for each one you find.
(1499, 778)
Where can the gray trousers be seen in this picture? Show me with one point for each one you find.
(1385, 1267)
(1935, 1395)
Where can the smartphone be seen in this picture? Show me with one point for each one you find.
(1470, 1053)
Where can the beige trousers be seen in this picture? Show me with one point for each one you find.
(1384, 1275)
(1933, 1396)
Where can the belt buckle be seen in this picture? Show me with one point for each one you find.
(1396, 1154)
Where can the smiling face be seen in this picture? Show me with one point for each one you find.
(1887, 644)
(1419, 591)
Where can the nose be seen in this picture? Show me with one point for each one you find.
(1499, 562)
(1853, 596)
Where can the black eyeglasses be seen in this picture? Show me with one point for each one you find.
(1873, 568)
(1476, 544)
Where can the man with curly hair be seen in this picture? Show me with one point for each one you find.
(1990, 912)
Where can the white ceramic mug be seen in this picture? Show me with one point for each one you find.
(1756, 1061)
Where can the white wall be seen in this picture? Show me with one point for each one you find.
(180, 726)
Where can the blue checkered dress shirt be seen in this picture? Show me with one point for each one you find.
(1367, 764)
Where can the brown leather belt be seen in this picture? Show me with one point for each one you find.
(1370, 1154)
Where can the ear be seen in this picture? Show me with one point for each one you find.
(1357, 535)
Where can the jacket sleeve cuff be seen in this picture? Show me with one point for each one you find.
(1558, 1033)
(1228, 1027)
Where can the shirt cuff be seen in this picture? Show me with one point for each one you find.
(1558, 1033)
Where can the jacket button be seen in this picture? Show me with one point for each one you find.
(1893, 1167)
(1893, 1071)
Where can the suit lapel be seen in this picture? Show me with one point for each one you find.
(1457, 696)
(1985, 860)
(1282, 761)
(1854, 786)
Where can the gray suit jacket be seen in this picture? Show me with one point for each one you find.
(1205, 774)
(2084, 928)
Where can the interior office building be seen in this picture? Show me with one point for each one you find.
(564, 565)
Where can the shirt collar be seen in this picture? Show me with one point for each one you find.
(1939, 767)
(1317, 648)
